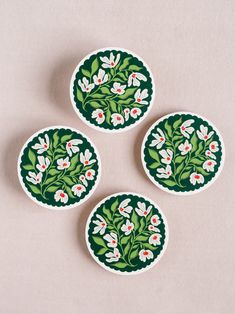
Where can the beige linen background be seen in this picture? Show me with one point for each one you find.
(45, 267)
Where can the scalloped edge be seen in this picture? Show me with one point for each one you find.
(34, 198)
(85, 120)
(184, 193)
(119, 272)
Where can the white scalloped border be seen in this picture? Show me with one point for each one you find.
(186, 193)
(99, 127)
(125, 273)
(34, 198)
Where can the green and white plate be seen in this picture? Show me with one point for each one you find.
(59, 167)
(126, 233)
(112, 89)
(183, 153)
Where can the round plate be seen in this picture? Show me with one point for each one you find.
(59, 167)
(126, 233)
(183, 153)
(112, 89)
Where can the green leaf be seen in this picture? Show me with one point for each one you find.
(125, 102)
(134, 254)
(70, 194)
(154, 165)
(179, 159)
(53, 172)
(34, 189)
(168, 128)
(95, 104)
(65, 138)
(154, 154)
(108, 116)
(99, 241)
(194, 142)
(199, 149)
(105, 90)
(52, 188)
(86, 72)
(127, 248)
(120, 265)
(149, 246)
(142, 224)
(196, 161)
(179, 168)
(170, 182)
(67, 180)
(202, 171)
(55, 139)
(114, 205)
(94, 66)
(107, 213)
(49, 180)
(134, 67)
(28, 167)
(185, 175)
(79, 95)
(135, 219)
(32, 157)
(76, 171)
(177, 123)
(97, 95)
(122, 76)
(142, 238)
(113, 106)
(129, 92)
(102, 251)
(124, 240)
(125, 63)
(73, 162)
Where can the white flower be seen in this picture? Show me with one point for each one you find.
(208, 165)
(83, 180)
(164, 173)
(135, 79)
(90, 174)
(71, 146)
(124, 209)
(159, 139)
(203, 135)
(186, 129)
(110, 62)
(118, 88)
(116, 119)
(185, 147)
(135, 112)
(113, 256)
(78, 189)
(145, 254)
(34, 178)
(100, 225)
(111, 239)
(85, 86)
(63, 163)
(214, 146)
(210, 154)
(60, 195)
(154, 239)
(85, 158)
(153, 228)
(43, 144)
(140, 95)
(166, 155)
(196, 178)
(142, 210)
(98, 114)
(101, 78)
(127, 227)
(155, 220)
(127, 113)
(43, 163)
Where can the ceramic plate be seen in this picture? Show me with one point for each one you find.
(59, 167)
(112, 89)
(183, 153)
(126, 233)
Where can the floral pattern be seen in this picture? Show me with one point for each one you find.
(182, 152)
(126, 233)
(112, 89)
(58, 167)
